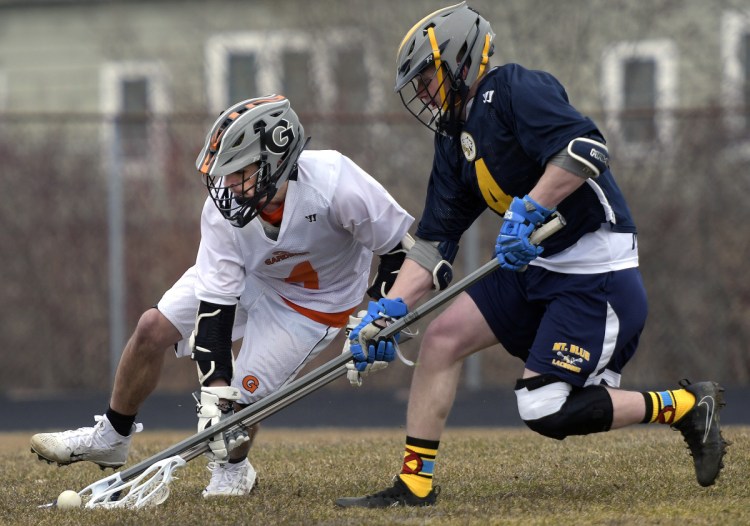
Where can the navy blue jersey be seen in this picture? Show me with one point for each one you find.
(518, 121)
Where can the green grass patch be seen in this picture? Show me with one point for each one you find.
(642, 475)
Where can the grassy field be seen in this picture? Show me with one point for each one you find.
(488, 476)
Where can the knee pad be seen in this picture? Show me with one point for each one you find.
(557, 410)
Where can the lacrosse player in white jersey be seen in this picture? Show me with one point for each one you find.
(287, 237)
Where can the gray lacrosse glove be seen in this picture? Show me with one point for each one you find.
(215, 405)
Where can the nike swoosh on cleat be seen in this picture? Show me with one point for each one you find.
(708, 401)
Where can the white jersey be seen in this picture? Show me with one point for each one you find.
(335, 217)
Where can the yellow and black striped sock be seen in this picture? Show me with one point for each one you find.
(419, 463)
(667, 407)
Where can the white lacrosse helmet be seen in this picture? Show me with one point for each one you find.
(263, 130)
(458, 42)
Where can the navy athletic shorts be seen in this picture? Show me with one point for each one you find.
(581, 328)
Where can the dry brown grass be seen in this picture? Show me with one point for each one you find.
(488, 476)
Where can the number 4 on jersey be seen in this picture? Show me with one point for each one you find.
(304, 273)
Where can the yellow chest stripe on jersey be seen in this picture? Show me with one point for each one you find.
(498, 200)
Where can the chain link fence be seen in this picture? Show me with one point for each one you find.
(690, 205)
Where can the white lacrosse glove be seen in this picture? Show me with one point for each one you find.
(352, 374)
(214, 406)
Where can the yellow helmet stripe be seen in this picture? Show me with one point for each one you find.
(438, 69)
(485, 56)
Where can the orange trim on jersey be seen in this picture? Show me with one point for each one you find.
(273, 217)
(333, 319)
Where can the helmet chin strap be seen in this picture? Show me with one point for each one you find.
(452, 122)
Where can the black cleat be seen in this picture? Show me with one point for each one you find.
(701, 430)
(397, 495)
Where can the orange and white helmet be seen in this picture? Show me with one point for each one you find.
(263, 130)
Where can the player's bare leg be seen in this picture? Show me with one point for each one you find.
(108, 442)
(457, 333)
(628, 407)
(451, 337)
(693, 410)
(141, 363)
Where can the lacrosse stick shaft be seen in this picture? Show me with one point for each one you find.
(197, 444)
(313, 381)
(540, 234)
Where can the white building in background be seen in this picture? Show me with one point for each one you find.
(636, 64)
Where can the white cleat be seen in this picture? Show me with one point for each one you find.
(100, 444)
(230, 480)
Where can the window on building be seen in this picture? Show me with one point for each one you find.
(3, 102)
(639, 90)
(735, 45)
(241, 81)
(3, 91)
(134, 104)
(350, 76)
(297, 83)
(323, 75)
(639, 101)
(132, 122)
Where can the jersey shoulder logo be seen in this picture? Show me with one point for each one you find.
(487, 96)
(468, 146)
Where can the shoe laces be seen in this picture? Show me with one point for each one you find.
(218, 475)
(84, 436)
(225, 476)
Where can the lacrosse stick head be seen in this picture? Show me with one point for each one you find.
(150, 488)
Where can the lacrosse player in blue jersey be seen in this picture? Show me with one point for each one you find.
(507, 138)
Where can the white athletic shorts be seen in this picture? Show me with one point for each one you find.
(277, 341)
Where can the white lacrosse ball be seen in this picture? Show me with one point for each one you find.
(68, 500)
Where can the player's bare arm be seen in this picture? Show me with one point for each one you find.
(555, 185)
(412, 283)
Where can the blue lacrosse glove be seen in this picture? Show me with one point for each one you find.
(364, 335)
(513, 248)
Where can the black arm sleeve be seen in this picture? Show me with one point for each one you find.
(212, 349)
(388, 267)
